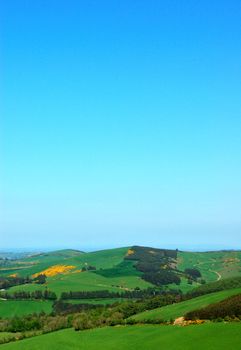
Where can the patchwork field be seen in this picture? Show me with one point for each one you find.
(211, 336)
(86, 281)
(171, 312)
(11, 308)
(113, 272)
(121, 270)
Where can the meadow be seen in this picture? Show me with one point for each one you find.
(173, 311)
(212, 265)
(211, 336)
(11, 308)
(113, 272)
(71, 270)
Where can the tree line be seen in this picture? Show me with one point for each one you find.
(97, 294)
(8, 282)
(88, 316)
(25, 295)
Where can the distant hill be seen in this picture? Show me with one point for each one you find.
(124, 269)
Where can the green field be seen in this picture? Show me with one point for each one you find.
(173, 311)
(212, 265)
(212, 336)
(101, 259)
(113, 272)
(86, 281)
(11, 308)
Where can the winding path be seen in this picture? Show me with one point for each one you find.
(218, 274)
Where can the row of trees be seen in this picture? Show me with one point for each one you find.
(41, 322)
(25, 295)
(96, 294)
(8, 282)
(88, 316)
(229, 283)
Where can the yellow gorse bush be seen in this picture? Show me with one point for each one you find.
(55, 270)
(130, 252)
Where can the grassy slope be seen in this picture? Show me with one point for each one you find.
(85, 281)
(180, 309)
(227, 264)
(113, 273)
(105, 260)
(210, 336)
(12, 308)
(38, 263)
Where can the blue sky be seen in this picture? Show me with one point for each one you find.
(121, 124)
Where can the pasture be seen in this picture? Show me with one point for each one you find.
(211, 336)
(171, 312)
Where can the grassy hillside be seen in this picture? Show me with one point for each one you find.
(208, 336)
(11, 308)
(35, 264)
(86, 281)
(212, 265)
(180, 309)
(115, 273)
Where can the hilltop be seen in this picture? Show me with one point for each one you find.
(124, 268)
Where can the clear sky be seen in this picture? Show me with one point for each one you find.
(120, 123)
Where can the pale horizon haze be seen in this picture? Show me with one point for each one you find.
(120, 124)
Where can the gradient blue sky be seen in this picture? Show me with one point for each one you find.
(121, 123)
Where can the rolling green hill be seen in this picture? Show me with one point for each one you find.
(173, 311)
(212, 265)
(211, 336)
(121, 269)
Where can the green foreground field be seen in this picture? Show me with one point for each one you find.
(11, 308)
(211, 336)
(173, 311)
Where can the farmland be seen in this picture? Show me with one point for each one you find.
(11, 308)
(64, 270)
(171, 312)
(56, 291)
(208, 336)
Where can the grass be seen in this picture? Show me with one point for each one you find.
(173, 311)
(11, 308)
(85, 281)
(210, 336)
(114, 273)
(210, 264)
(103, 259)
